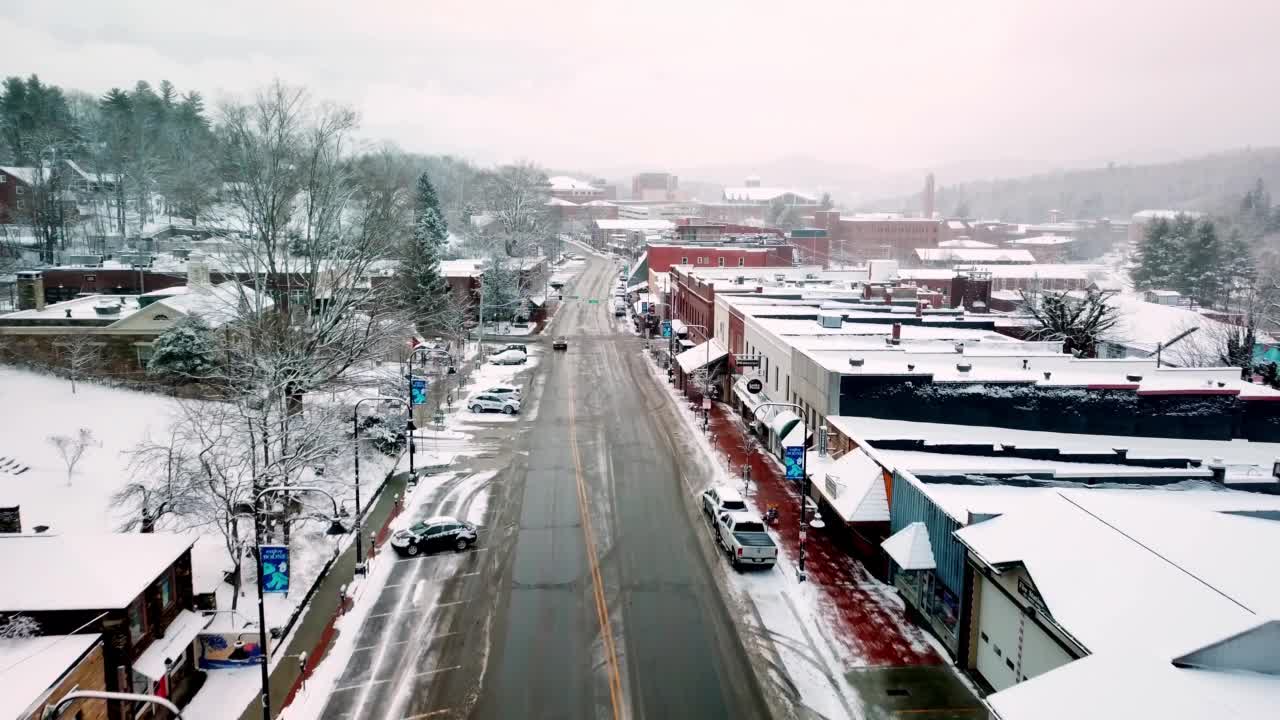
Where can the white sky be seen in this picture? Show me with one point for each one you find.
(680, 83)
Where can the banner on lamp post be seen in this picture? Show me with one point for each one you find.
(792, 460)
(274, 566)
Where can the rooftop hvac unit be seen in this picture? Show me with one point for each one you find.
(829, 320)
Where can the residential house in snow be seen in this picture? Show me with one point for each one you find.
(133, 589)
(37, 672)
(16, 194)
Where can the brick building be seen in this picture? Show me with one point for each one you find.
(15, 193)
(655, 186)
(875, 236)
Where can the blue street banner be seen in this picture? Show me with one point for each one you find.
(644, 307)
(666, 328)
(792, 459)
(418, 391)
(275, 568)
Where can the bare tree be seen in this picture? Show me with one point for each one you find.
(80, 354)
(71, 448)
(516, 195)
(1079, 322)
(18, 627)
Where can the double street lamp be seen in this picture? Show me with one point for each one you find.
(54, 710)
(804, 471)
(355, 430)
(335, 528)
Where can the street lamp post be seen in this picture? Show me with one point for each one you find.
(52, 711)
(335, 528)
(355, 428)
(804, 471)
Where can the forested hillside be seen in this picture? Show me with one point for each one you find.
(1212, 183)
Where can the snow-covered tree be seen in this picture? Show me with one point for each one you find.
(516, 196)
(80, 355)
(18, 627)
(71, 448)
(185, 351)
(1156, 257)
(1080, 323)
(422, 290)
(1200, 272)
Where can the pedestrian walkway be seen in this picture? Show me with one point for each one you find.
(872, 626)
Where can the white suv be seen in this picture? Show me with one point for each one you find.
(720, 499)
(485, 402)
(503, 390)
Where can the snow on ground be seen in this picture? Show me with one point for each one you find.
(37, 406)
(777, 606)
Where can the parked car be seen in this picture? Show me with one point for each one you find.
(509, 357)
(484, 402)
(518, 347)
(721, 499)
(619, 308)
(503, 390)
(745, 540)
(434, 534)
(560, 343)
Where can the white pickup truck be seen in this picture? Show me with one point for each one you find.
(745, 540)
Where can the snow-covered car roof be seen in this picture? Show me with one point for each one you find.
(742, 516)
(727, 492)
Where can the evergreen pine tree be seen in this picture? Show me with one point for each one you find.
(1155, 256)
(1201, 270)
(423, 290)
(185, 351)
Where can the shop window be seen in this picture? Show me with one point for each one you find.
(742, 261)
(166, 591)
(137, 621)
(720, 262)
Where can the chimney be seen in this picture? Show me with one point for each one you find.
(197, 271)
(927, 209)
(897, 332)
(30, 290)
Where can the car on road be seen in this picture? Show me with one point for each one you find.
(502, 390)
(433, 535)
(485, 402)
(518, 347)
(721, 499)
(560, 343)
(619, 308)
(745, 540)
(509, 357)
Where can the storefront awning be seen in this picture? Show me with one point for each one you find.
(177, 638)
(796, 436)
(853, 486)
(637, 287)
(910, 548)
(701, 355)
(783, 422)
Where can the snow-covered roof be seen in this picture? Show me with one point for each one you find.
(564, 183)
(1127, 580)
(1142, 325)
(1041, 240)
(83, 572)
(640, 224)
(1165, 214)
(560, 202)
(219, 304)
(974, 255)
(852, 485)
(701, 355)
(25, 174)
(763, 194)
(910, 548)
(965, 242)
(90, 307)
(1046, 271)
(31, 667)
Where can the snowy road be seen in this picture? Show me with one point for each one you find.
(590, 593)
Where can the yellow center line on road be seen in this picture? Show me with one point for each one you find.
(597, 581)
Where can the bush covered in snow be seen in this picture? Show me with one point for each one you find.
(183, 352)
(386, 433)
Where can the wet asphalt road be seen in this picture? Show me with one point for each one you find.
(588, 595)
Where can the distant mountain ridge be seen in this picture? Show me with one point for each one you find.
(1210, 183)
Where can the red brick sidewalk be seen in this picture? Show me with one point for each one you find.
(872, 629)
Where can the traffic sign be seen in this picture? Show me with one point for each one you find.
(593, 301)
